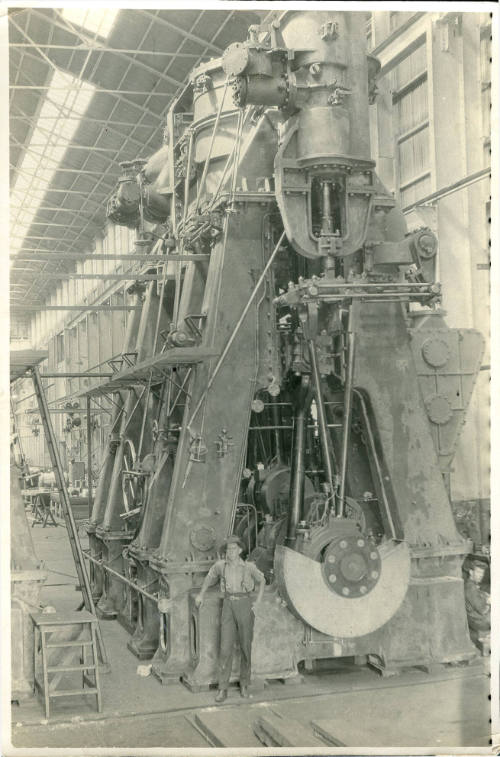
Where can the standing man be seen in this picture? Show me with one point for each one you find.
(477, 601)
(237, 582)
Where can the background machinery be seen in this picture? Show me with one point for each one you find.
(291, 378)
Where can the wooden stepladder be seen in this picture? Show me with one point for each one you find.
(46, 628)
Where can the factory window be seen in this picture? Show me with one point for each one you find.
(411, 126)
(411, 66)
(98, 21)
(59, 348)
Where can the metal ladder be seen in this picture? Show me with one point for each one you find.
(71, 528)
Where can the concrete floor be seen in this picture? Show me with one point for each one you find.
(353, 706)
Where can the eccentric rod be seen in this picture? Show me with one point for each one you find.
(326, 448)
(298, 459)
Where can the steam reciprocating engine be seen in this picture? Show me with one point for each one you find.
(290, 377)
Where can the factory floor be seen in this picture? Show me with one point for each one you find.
(351, 706)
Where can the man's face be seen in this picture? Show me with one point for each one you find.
(232, 552)
(477, 574)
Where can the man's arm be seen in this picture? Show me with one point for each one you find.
(476, 598)
(259, 578)
(212, 577)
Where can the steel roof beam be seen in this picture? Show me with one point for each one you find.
(25, 251)
(154, 18)
(101, 276)
(118, 256)
(42, 306)
(98, 90)
(205, 43)
(51, 31)
(46, 209)
(76, 192)
(83, 118)
(41, 154)
(80, 171)
(103, 49)
(123, 56)
(44, 223)
(67, 71)
(143, 145)
(44, 239)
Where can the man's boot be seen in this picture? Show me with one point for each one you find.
(221, 696)
(244, 691)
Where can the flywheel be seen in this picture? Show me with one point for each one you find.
(353, 588)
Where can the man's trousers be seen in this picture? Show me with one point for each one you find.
(236, 623)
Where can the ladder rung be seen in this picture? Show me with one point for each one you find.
(72, 692)
(69, 668)
(86, 643)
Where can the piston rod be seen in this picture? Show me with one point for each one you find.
(120, 576)
(346, 425)
(298, 459)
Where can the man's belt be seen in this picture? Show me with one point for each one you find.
(236, 595)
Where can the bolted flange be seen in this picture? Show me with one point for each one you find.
(351, 566)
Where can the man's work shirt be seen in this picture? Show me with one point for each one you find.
(476, 602)
(235, 578)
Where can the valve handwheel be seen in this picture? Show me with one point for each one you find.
(129, 482)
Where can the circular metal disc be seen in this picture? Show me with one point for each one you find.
(235, 59)
(438, 409)
(301, 582)
(436, 352)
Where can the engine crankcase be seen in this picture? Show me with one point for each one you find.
(353, 591)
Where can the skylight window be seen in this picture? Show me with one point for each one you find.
(66, 98)
(99, 21)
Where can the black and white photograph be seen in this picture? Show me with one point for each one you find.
(247, 399)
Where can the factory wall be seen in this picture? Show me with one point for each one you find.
(76, 343)
(430, 129)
